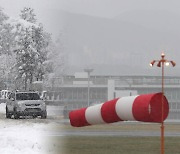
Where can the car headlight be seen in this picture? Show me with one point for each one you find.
(43, 104)
(19, 104)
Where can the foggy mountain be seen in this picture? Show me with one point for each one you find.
(120, 46)
(161, 20)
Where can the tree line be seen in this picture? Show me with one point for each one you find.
(30, 53)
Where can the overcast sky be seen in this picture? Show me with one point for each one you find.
(105, 8)
(100, 8)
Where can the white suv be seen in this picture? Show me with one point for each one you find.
(25, 104)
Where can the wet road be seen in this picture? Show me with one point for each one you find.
(56, 112)
(112, 133)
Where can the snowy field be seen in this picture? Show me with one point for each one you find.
(26, 136)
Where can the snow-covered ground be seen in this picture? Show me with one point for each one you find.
(26, 136)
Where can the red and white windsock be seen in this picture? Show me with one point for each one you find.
(145, 108)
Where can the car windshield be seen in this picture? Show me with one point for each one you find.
(27, 96)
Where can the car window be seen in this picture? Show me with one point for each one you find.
(27, 96)
(12, 95)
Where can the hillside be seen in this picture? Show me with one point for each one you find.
(116, 46)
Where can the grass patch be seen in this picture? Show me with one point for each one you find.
(123, 126)
(117, 145)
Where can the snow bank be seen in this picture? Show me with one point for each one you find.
(24, 136)
(20, 139)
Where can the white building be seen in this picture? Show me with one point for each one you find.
(72, 90)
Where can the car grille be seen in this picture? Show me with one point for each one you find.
(32, 104)
(33, 110)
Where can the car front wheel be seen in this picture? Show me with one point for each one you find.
(16, 115)
(44, 115)
(8, 114)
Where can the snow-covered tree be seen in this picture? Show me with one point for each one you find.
(28, 15)
(6, 38)
(31, 51)
(26, 57)
(2, 16)
(57, 60)
(28, 49)
(6, 45)
(59, 56)
(41, 41)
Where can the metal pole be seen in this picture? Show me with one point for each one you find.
(162, 61)
(88, 87)
(88, 70)
(162, 107)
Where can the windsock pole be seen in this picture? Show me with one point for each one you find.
(160, 62)
(162, 121)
